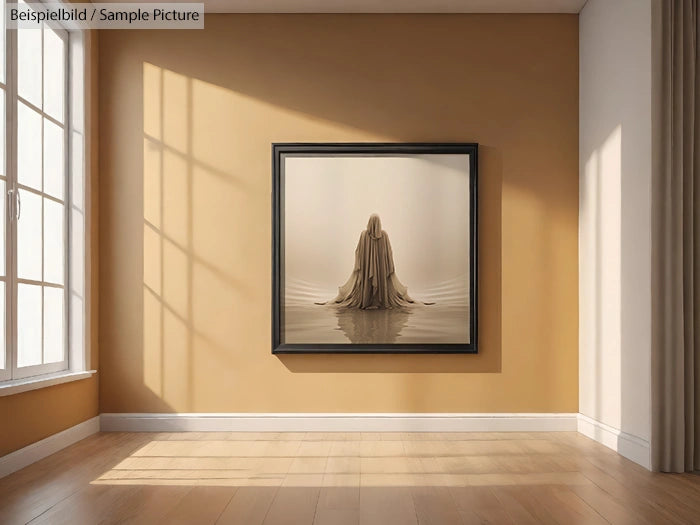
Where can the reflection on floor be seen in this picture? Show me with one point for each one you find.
(334, 478)
(415, 324)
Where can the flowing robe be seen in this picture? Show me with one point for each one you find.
(373, 283)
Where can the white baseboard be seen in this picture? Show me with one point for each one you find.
(311, 422)
(23, 457)
(627, 445)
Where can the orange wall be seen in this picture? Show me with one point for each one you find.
(40, 413)
(186, 122)
(31, 416)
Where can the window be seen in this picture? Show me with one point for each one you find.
(42, 259)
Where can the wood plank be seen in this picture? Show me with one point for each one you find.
(435, 505)
(386, 505)
(249, 506)
(32, 491)
(200, 506)
(565, 506)
(149, 504)
(482, 502)
(296, 500)
(336, 478)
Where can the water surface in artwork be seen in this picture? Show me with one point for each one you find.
(444, 321)
(434, 324)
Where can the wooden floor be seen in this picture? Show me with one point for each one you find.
(299, 478)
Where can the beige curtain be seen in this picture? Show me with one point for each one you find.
(676, 243)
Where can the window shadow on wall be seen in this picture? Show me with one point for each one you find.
(195, 233)
(212, 104)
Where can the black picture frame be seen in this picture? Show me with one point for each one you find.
(279, 150)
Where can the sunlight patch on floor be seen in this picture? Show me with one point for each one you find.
(409, 460)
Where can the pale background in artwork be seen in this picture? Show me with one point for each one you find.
(423, 203)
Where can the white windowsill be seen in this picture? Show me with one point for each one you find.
(16, 386)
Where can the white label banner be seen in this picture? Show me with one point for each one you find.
(171, 15)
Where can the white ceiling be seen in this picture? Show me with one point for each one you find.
(387, 6)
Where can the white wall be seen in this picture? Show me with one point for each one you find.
(614, 227)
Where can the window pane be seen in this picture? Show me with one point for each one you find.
(3, 168)
(3, 236)
(54, 73)
(76, 96)
(54, 220)
(54, 165)
(76, 337)
(76, 257)
(54, 340)
(29, 237)
(77, 182)
(28, 325)
(3, 364)
(28, 146)
(29, 65)
(2, 42)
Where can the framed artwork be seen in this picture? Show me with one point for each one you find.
(374, 248)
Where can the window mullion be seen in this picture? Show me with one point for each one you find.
(68, 201)
(43, 241)
(6, 373)
(11, 152)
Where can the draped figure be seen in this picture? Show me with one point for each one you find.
(373, 283)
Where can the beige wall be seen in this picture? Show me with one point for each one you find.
(186, 122)
(40, 413)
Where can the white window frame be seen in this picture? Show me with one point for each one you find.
(77, 217)
(6, 372)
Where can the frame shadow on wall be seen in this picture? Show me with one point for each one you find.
(488, 360)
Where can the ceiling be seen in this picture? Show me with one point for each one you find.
(387, 6)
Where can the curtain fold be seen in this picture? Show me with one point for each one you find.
(675, 244)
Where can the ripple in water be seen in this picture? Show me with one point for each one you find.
(329, 324)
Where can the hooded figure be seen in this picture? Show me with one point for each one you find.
(373, 283)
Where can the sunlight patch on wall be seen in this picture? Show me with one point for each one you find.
(175, 275)
(199, 222)
(152, 100)
(176, 198)
(152, 263)
(152, 342)
(152, 160)
(176, 107)
(600, 278)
